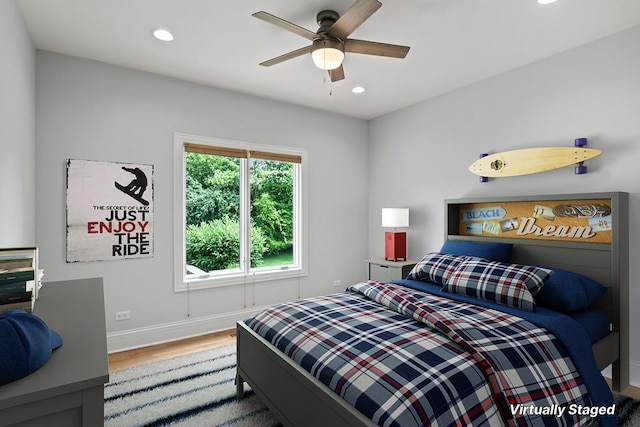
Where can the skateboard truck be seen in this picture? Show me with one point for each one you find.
(580, 167)
(484, 178)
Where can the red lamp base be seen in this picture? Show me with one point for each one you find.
(395, 245)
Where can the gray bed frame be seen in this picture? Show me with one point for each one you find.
(297, 398)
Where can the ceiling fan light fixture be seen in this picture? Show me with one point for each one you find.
(327, 54)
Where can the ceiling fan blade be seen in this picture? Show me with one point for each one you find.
(289, 26)
(336, 74)
(375, 48)
(359, 12)
(286, 56)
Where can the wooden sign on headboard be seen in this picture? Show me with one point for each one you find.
(564, 220)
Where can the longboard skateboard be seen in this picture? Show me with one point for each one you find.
(533, 160)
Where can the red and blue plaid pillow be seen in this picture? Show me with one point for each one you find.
(515, 285)
(435, 267)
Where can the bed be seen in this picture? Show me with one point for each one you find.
(425, 312)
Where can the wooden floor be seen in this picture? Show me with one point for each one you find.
(127, 359)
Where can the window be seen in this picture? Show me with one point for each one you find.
(240, 213)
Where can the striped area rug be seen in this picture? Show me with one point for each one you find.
(192, 390)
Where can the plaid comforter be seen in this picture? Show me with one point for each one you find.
(406, 358)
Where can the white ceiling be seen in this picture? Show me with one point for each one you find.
(217, 42)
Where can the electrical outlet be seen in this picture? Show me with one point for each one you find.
(337, 283)
(123, 315)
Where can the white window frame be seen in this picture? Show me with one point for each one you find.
(244, 274)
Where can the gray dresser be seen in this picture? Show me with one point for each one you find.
(68, 390)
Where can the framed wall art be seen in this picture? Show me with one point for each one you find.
(109, 211)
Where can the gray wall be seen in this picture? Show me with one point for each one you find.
(592, 91)
(91, 110)
(17, 130)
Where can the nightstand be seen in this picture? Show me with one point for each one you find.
(385, 271)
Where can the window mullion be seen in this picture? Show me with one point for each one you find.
(297, 203)
(245, 216)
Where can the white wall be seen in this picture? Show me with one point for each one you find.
(91, 110)
(17, 130)
(592, 91)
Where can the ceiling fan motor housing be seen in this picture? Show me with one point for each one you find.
(325, 19)
(327, 43)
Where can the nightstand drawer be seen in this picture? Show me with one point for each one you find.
(386, 271)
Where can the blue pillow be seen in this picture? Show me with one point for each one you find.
(491, 251)
(566, 291)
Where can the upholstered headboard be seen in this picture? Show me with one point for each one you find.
(586, 233)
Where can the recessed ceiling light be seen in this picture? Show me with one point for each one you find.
(162, 34)
(358, 89)
(546, 1)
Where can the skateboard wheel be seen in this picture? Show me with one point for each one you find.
(580, 169)
(483, 178)
(580, 142)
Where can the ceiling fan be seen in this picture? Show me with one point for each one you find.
(330, 42)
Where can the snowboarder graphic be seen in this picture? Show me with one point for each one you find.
(137, 186)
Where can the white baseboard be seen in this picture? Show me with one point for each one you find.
(634, 373)
(143, 337)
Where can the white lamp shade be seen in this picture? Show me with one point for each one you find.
(395, 217)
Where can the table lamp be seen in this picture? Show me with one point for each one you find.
(395, 242)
